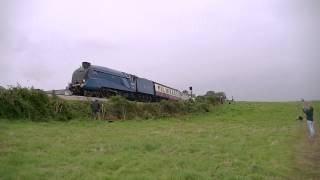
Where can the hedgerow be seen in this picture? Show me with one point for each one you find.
(36, 105)
(24, 103)
(118, 107)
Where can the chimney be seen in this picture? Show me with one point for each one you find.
(86, 65)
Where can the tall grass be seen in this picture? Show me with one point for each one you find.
(119, 108)
(239, 141)
(36, 105)
(24, 103)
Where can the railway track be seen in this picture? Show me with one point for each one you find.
(66, 95)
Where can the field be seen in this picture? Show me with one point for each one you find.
(237, 141)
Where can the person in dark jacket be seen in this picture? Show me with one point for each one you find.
(308, 111)
(96, 109)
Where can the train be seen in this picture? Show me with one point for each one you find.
(97, 81)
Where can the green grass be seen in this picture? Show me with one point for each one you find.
(238, 141)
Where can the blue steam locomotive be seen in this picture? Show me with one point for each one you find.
(97, 81)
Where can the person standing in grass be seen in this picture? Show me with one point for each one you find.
(95, 108)
(308, 111)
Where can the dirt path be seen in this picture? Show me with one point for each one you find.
(308, 156)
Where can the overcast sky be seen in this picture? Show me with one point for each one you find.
(250, 49)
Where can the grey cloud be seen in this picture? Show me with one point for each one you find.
(266, 50)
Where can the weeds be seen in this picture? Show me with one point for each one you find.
(36, 105)
(119, 108)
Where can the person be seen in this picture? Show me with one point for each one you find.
(308, 111)
(220, 100)
(95, 108)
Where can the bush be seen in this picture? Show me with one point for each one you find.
(79, 109)
(36, 105)
(23, 103)
(168, 107)
(118, 108)
(149, 110)
(61, 109)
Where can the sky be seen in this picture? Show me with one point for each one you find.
(256, 50)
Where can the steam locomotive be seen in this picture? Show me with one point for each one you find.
(97, 81)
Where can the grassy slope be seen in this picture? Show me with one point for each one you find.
(240, 141)
(308, 152)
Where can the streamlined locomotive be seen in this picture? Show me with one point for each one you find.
(91, 80)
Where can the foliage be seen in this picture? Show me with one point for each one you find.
(25, 103)
(218, 95)
(36, 105)
(118, 107)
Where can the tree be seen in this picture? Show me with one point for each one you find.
(210, 93)
(185, 92)
(220, 95)
(2, 88)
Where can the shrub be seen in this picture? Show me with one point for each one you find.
(61, 110)
(212, 100)
(149, 110)
(118, 108)
(79, 109)
(23, 103)
(168, 108)
(36, 105)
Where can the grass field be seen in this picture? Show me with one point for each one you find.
(237, 141)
